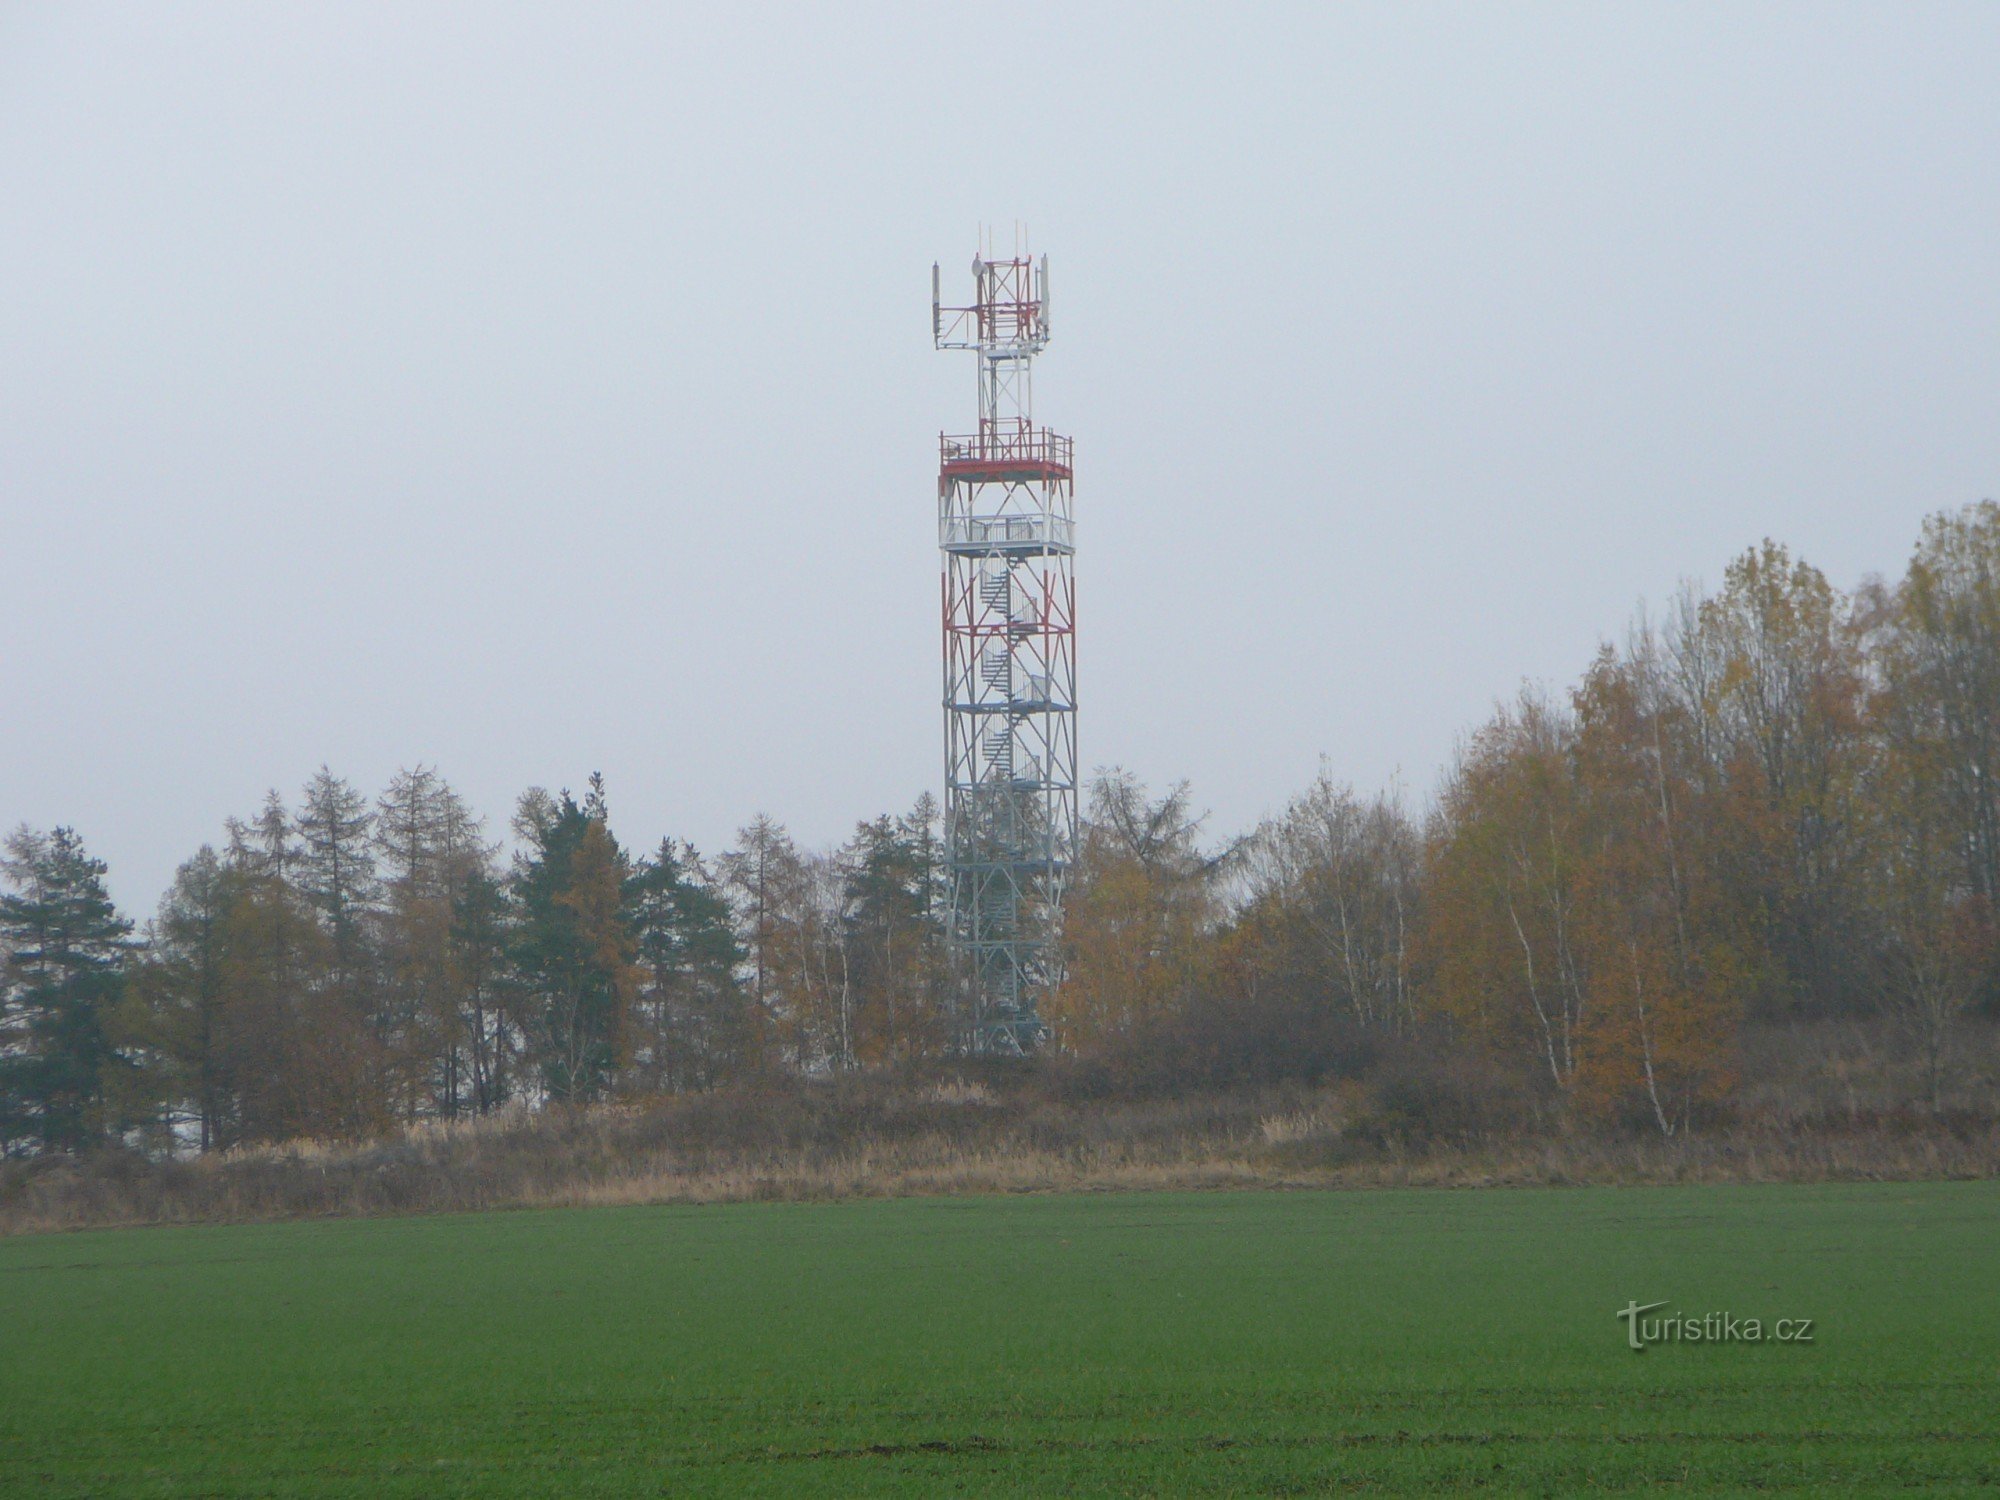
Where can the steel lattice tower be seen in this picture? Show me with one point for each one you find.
(1008, 538)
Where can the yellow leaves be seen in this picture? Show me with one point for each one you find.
(596, 895)
(1566, 918)
(1137, 921)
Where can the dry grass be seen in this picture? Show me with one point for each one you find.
(881, 1136)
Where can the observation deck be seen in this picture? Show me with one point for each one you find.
(1018, 534)
(1028, 457)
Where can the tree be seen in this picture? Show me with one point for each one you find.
(1333, 899)
(818, 978)
(301, 1052)
(1772, 675)
(573, 945)
(764, 878)
(1144, 902)
(186, 998)
(1934, 936)
(1935, 838)
(479, 938)
(1941, 659)
(1567, 918)
(893, 934)
(335, 869)
(431, 849)
(67, 950)
(346, 1029)
(1660, 951)
(695, 1025)
(1504, 868)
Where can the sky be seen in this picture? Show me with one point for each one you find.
(534, 391)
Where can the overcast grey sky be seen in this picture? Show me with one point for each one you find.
(536, 391)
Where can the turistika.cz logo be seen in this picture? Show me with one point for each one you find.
(1707, 1328)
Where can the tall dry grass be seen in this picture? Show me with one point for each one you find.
(884, 1136)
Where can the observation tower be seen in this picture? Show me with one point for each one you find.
(1007, 533)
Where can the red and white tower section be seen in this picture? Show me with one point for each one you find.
(1007, 532)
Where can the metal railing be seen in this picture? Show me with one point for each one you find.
(1028, 447)
(1025, 529)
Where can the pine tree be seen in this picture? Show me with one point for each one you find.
(67, 951)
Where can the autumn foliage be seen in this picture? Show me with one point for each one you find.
(1774, 807)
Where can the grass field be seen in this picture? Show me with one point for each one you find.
(1215, 1343)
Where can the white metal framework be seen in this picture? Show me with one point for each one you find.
(1008, 537)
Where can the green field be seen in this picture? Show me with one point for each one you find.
(1229, 1343)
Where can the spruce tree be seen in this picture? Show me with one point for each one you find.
(573, 946)
(686, 942)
